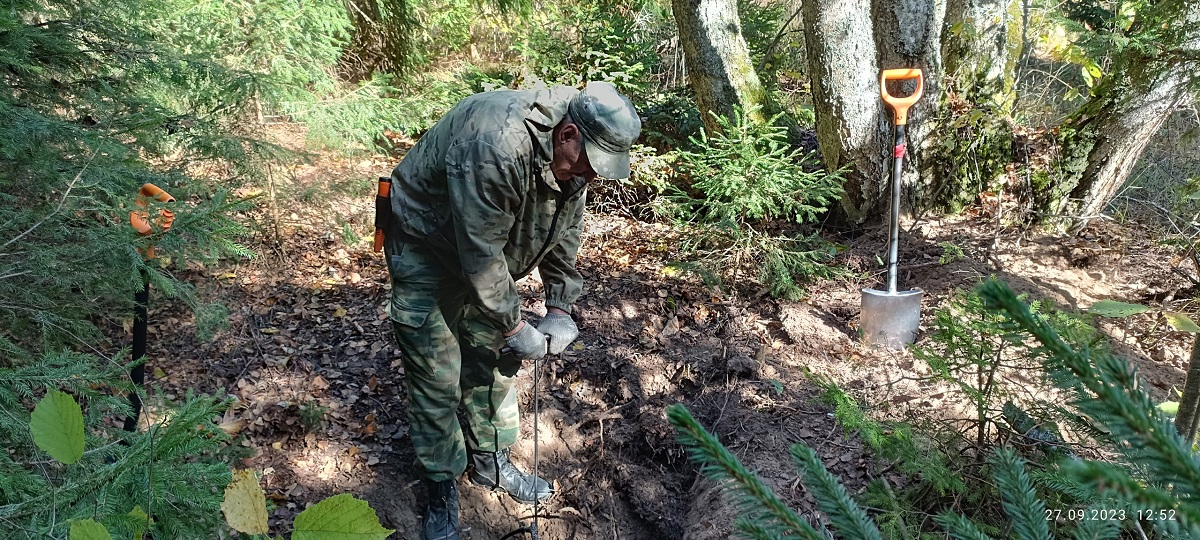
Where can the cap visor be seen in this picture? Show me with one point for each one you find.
(615, 166)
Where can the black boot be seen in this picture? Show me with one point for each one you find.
(441, 511)
(494, 470)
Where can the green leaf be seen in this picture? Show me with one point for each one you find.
(1169, 407)
(143, 521)
(340, 517)
(1114, 309)
(86, 529)
(1181, 322)
(57, 427)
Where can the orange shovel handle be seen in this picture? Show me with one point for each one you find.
(900, 105)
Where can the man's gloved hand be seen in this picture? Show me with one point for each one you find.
(561, 329)
(528, 343)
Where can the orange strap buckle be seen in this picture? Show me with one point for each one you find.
(140, 220)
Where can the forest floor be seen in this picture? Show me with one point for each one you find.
(320, 402)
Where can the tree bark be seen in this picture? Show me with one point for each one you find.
(718, 61)
(980, 55)
(1114, 137)
(1188, 417)
(980, 47)
(1102, 142)
(852, 129)
(908, 34)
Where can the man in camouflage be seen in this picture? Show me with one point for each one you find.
(494, 190)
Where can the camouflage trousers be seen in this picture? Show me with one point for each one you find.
(451, 356)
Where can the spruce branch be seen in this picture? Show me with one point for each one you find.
(960, 527)
(845, 515)
(1110, 393)
(1022, 505)
(1096, 529)
(751, 495)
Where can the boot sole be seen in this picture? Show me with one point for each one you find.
(483, 481)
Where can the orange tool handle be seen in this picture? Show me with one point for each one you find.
(900, 105)
(383, 211)
(141, 222)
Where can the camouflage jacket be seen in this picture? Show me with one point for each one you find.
(478, 189)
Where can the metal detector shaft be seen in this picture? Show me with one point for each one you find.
(533, 527)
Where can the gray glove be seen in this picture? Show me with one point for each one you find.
(527, 343)
(561, 329)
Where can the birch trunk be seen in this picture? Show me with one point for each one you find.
(717, 58)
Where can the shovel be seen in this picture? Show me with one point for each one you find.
(141, 223)
(890, 318)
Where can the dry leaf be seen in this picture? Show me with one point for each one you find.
(270, 330)
(339, 312)
(245, 505)
(233, 427)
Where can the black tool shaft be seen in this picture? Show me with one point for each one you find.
(141, 299)
(894, 236)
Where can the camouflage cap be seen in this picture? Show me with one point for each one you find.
(609, 124)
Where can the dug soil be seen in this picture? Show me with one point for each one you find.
(320, 403)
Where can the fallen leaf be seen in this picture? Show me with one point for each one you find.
(270, 330)
(233, 427)
(245, 505)
(339, 312)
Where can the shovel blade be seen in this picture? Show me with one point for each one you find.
(890, 319)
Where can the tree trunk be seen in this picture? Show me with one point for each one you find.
(1113, 133)
(849, 43)
(718, 60)
(979, 53)
(1101, 143)
(908, 34)
(1188, 417)
(979, 56)
(852, 129)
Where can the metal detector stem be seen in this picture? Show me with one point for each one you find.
(533, 528)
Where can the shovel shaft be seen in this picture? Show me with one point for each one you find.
(138, 373)
(894, 236)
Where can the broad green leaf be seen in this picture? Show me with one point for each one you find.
(245, 505)
(143, 521)
(1169, 407)
(1115, 309)
(340, 517)
(86, 529)
(1181, 322)
(57, 427)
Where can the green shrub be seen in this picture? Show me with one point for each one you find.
(98, 103)
(574, 41)
(748, 191)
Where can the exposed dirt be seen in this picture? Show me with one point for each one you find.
(321, 406)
